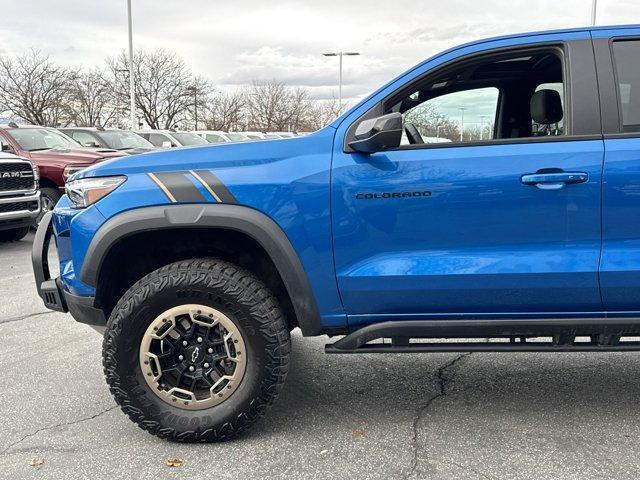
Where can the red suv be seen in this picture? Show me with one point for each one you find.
(56, 155)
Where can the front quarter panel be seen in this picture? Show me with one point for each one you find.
(287, 180)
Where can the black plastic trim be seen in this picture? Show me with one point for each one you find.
(606, 87)
(483, 328)
(232, 217)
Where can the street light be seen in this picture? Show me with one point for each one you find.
(340, 54)
(594, 8)
(194, 89)
(462, 109)
(132, 92)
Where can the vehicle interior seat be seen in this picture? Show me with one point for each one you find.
(546, 111)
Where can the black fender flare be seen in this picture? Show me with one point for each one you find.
(242, 219)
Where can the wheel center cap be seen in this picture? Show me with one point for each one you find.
(195, 354)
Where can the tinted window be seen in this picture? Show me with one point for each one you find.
(32, 139)
(213, 138)
(157, 139)
(124, 140)
(627, 58)
(85, 139)
(188, 138)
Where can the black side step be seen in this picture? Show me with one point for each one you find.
(604, 336)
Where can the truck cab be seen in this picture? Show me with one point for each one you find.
(520, 224)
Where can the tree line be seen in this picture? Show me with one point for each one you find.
(38, 90)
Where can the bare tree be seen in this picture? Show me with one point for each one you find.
(274, 106)
(34, 88)
(226, 111)
(92, 101)
(163, 86)
(322, 112)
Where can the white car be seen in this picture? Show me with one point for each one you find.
(254, 135)
(171, 138)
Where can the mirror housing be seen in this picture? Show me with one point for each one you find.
(377, 134)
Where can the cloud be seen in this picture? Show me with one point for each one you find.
(233, 43)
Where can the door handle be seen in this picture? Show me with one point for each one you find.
(553, 180)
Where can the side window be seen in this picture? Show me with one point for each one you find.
(627, 60)
(463, 116)
(500, 96)
(213, 138)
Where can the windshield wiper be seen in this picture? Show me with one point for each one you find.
(40, 149)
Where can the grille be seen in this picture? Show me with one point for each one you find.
(16, 207)
(8, 182)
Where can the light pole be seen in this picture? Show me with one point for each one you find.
(438, 131)
(482, 119)
(594, 9)
(194, 89)
(340, 55)
(132, 91)
(462, 109)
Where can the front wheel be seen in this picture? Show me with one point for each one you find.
(196, 351)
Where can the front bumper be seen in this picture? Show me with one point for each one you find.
(51, 290)
(27, 213)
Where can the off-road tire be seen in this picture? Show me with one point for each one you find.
(229, 289)
(13, 235)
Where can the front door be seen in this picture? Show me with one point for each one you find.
(470, 221)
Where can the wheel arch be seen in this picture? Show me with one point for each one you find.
(243, 220)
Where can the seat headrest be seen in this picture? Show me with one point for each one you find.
(546, 107)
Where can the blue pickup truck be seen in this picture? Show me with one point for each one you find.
(493, 191)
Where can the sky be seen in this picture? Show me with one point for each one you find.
(235, 42)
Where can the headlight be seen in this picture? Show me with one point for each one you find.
(86, 191)
(71, 169)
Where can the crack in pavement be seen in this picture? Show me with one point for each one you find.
(442, 385)
(26, 317)
(58, 425)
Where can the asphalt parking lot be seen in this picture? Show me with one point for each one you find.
(479, 416)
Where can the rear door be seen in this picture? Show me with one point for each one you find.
(618, 62)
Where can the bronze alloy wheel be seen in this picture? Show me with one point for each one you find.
(193, 356)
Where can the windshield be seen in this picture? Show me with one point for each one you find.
(32, 139)
(187, 138)
(236, 137)
(124, 140)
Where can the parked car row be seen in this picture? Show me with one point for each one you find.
(53, 155)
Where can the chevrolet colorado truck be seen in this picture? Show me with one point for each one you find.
(19, 197)
(523, 228)
(55, 154)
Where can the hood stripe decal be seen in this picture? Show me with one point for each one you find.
(178, 187)
(162, 187)
(213, 184)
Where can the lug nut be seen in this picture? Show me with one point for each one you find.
(209, 350)
(185, 343)
(206, 365)
(199, 339)
(191, 368)
(180, 357)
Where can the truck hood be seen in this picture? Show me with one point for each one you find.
(241, 155)
(75, 155)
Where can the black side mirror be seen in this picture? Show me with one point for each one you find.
(378, 133)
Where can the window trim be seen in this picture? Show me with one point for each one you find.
(562, 48)
(616, 85)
